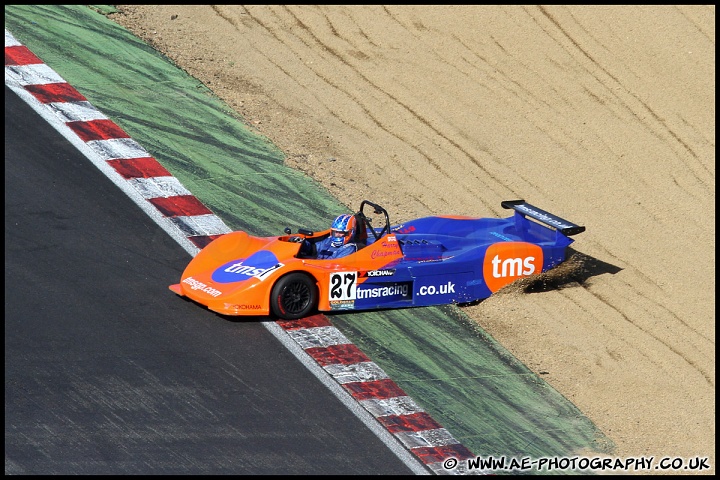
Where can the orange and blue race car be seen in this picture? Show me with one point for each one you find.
(428, 261)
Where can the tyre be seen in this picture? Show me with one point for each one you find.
(293, 296)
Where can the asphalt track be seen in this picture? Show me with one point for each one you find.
(478, 391)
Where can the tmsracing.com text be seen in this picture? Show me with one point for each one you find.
(580, 464)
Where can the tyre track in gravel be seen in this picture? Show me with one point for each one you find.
(365, 111)
(492, 182)
(678, 344)
(657, 127)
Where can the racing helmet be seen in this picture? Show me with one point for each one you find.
(343, 230)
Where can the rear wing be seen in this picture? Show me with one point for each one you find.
(560, 224)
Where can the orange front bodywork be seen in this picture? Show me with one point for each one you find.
(235, 274)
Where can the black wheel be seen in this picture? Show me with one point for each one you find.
(293, 296)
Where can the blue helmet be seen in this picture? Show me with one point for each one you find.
(343, 230)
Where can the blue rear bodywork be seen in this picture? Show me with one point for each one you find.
(443, 257)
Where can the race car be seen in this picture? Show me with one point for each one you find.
(427, 261)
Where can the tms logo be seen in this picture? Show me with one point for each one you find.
(258, 265)
(512, 267)
(507, 261)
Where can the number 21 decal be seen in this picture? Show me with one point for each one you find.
(342, 286)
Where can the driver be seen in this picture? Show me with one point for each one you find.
(341, 241)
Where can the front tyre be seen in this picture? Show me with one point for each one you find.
(293, 296)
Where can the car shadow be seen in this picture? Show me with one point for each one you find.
(578, 268)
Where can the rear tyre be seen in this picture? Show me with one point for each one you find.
(293, 296)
